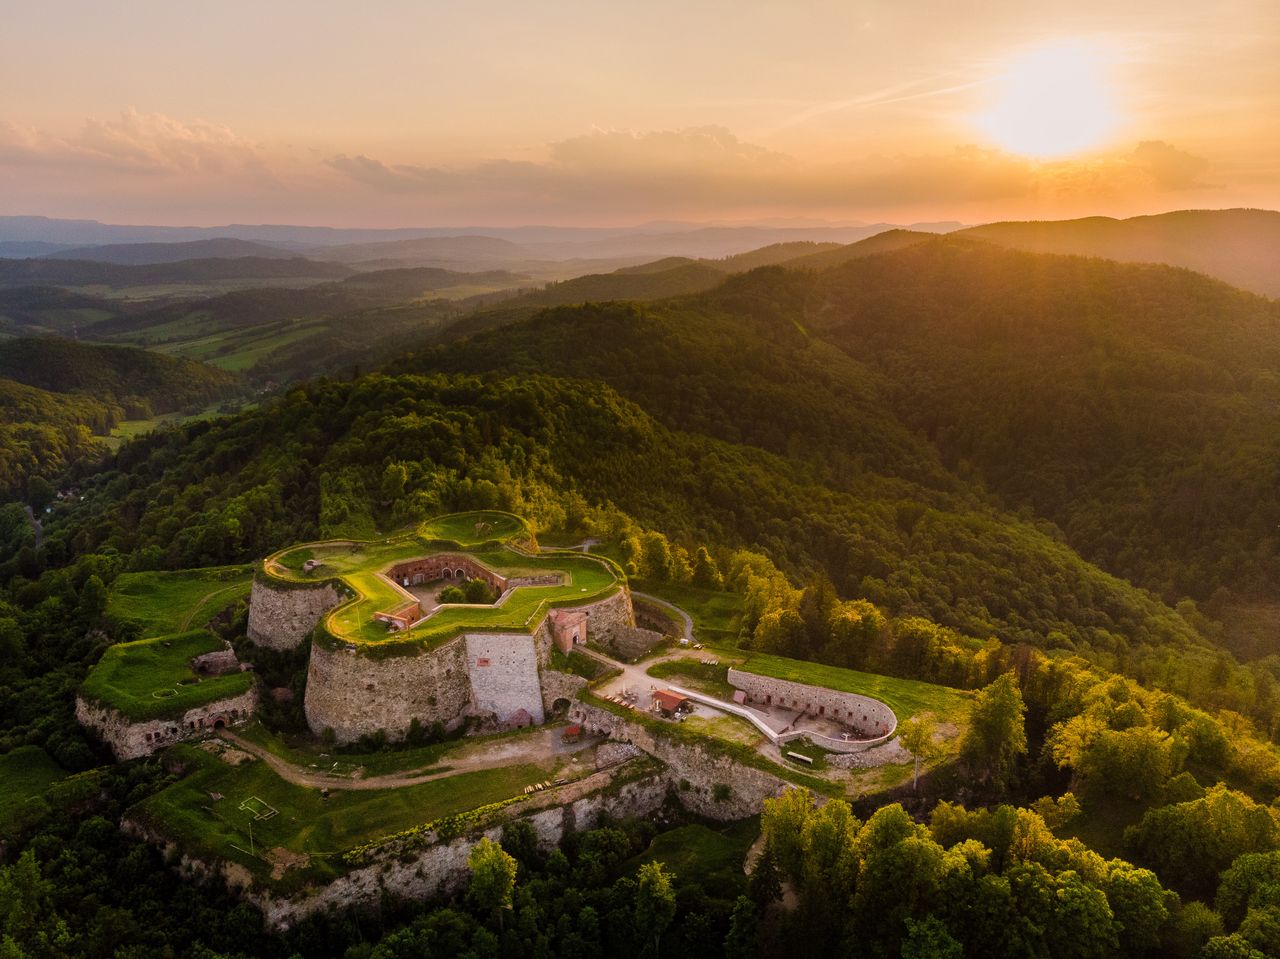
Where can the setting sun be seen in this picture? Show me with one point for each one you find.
(1051, 102)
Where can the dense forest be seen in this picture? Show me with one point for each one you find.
(59, 398)
(873, 458)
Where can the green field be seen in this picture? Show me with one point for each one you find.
(475, 528)
(360, 566)
(693, 674)
(716, 614)
(170, 602)
(307, 823)
(906, 697)
(25, 773)
(153, 678)
(303, 751)
(710, 858)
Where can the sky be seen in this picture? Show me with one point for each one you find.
(390, 113)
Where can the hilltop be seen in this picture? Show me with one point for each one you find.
(137, 254)
(1237, 246)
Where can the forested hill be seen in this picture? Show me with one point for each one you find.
(43, 272)
(1238, 246)
(1133, 406)
(113, 373)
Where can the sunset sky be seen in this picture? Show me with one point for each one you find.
(493, 113)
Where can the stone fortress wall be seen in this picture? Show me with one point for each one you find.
(486, 674)
(503, 671)
(871, 720)
(354, 694)
(282, 615)
(356, 691)
(451, 566)
(131, 739)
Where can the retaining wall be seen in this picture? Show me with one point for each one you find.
(439, 869)
(130, 739)
(503, 671)
(354, 694)
(695, 769)
(873, 721)
(281, 617)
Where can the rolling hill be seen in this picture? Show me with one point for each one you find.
(63, 272)
(1237, 246)
(112, 373)
(139, 254)
(1133, 407)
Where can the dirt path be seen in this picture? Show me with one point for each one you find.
(37, 527)
(684, 617)
(537, 747)
(199, 605)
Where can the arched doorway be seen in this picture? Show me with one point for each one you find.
(560, 706)
(460, 574)
(220, 722)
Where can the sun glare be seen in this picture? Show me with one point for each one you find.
(1053, 101)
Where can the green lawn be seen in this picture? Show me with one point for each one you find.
(360, 565)
(906, 697)
(306, 822)
(695, 675)
(170, 602)
(703, 856)
(305, 752)
(152, 678)
(474, 528)
(716, 614)
(729, 729)
(25, 773)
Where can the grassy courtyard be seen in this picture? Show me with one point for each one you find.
(153, 678)
(306, 823)
(170, 602)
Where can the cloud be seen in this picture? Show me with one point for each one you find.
(700, 170)
(694, 149)
(1169, 167)
(138, 143)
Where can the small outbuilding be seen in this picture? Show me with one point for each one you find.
(670, 703)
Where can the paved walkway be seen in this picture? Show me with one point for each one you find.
(532, 747)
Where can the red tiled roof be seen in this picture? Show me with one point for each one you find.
(668, 700)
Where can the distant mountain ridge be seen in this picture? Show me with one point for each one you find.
(138, 254)
(1239, 246)
(47, 271)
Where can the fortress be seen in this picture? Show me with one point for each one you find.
(386, 652)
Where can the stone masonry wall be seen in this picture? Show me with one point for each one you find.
(130, 739)
(354, 694)
(282, 617)
(558, 685)
(503, 669)
(441, 869)
(610, 619)
(695, 769)
(870, 717)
